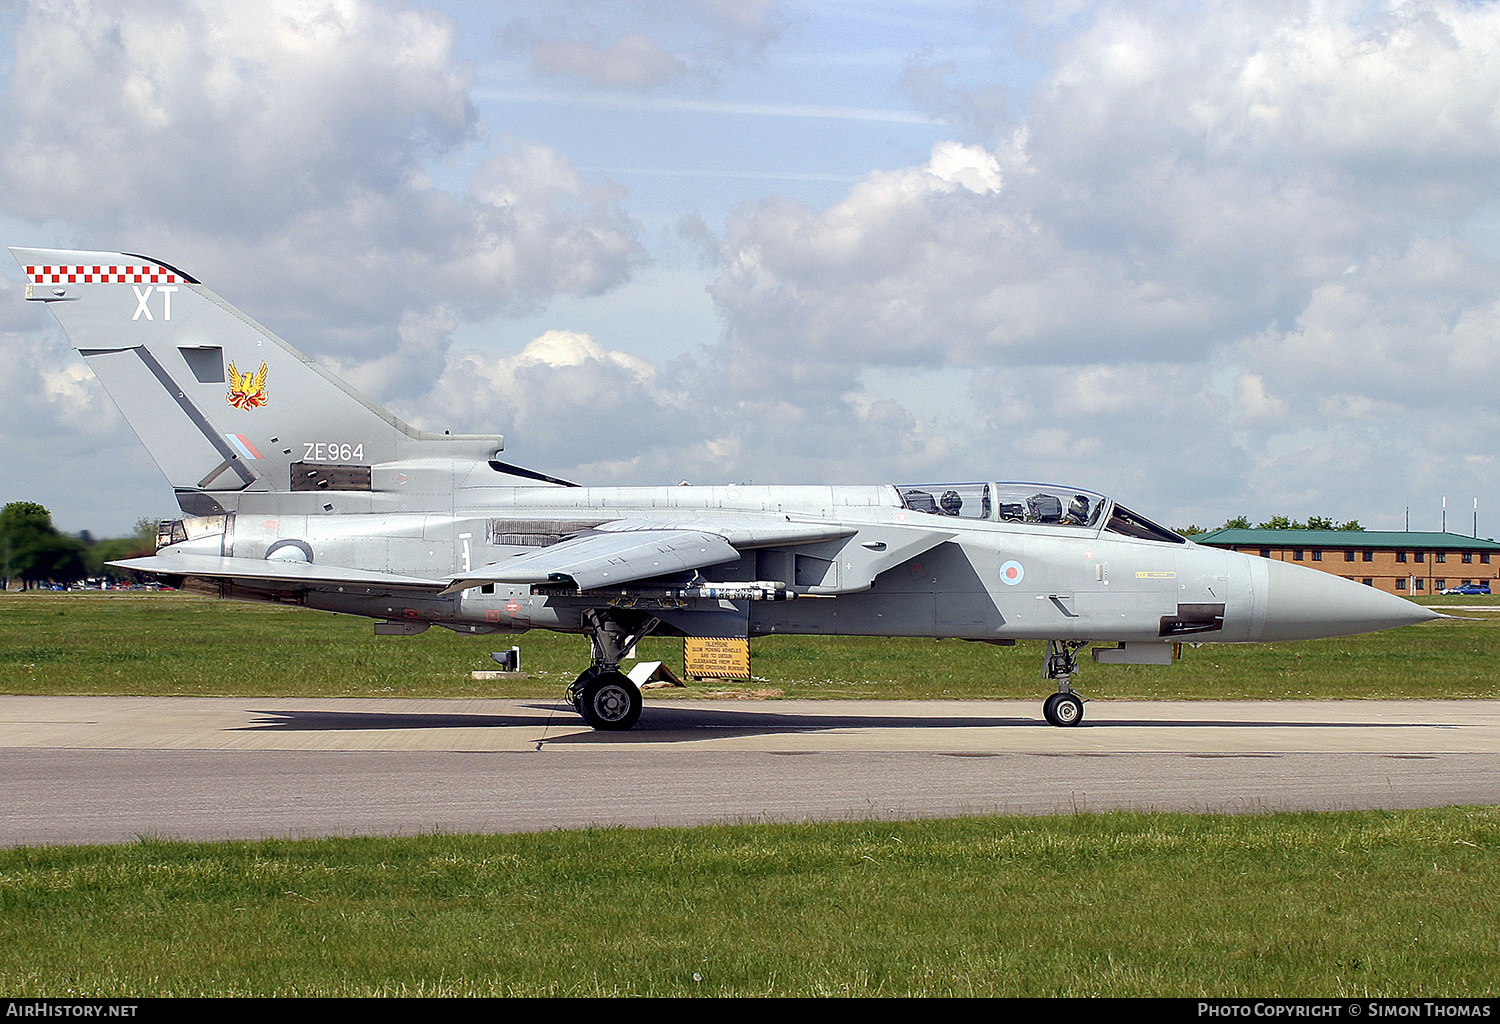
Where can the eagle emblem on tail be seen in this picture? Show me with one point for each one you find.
(247, 390)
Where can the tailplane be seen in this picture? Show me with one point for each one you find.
(235, 417)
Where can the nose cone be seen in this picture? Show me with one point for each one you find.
(1304, 604)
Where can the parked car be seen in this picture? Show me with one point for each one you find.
(1469, 588)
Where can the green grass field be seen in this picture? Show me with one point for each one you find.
(150, 643)
(1346, 905)
(1370, 904)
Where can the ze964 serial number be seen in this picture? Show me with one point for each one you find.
(332, 451)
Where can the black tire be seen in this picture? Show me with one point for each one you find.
(1064, 710)
(611, 702)
(575, 691)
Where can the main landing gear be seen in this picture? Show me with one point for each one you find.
(1063, 708)
(603, 695)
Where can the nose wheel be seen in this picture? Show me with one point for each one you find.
(1063, 709)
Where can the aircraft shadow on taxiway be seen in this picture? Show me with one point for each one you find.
(667, 723)
(658, 723)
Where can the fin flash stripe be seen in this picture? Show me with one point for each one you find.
(147, 274)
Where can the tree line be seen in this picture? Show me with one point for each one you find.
(1276, 523)
(34, 552)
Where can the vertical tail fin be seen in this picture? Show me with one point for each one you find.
(225, 407)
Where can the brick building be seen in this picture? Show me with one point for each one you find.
(1409, 564)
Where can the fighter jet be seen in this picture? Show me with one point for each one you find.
(296, 489)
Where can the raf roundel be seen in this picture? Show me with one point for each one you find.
(1011, 573)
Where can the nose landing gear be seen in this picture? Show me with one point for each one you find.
(1064, 708)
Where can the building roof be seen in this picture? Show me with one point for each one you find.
(1389, 539)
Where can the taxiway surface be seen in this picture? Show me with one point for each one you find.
(111, 769)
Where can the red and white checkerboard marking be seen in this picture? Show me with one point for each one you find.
(147, 274)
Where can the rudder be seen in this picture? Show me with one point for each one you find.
(224, 406)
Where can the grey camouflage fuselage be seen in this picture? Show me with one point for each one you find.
(298, 489)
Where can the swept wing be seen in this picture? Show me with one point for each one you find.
(274, 572)
(612, 554)
(607, 558)
(628, 550)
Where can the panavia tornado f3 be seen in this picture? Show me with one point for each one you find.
(297, 489)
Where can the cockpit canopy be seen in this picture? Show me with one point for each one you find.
(1040, 504)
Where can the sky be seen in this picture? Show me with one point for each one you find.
(1213, 259)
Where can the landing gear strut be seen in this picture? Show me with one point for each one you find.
(602, 694)
(1063, 708)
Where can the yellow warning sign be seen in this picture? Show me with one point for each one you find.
(716, 658)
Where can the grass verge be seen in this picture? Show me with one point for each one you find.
(163, 644)
(1120, 904)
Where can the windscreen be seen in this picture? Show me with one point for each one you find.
(1126, 522)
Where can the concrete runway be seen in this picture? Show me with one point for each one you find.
(111, 769)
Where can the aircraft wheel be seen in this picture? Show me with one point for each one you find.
(611, 701)
(1063, 709)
